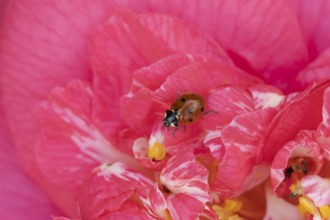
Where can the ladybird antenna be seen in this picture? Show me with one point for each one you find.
(210, 111)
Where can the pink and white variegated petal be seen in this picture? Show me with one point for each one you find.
(246, 130)
(111, 185)
(70, 145)
(302, 146)
(183, 174)
(326, 108)
(317, 189)
(278, 208)
(302, 111)
(241, 140)
(213, 141)
(232, 171)
(184, 207)
(265, 96)
(322, 136)
(228, 101)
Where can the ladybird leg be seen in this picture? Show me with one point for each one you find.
(174, 130)
(209, 111)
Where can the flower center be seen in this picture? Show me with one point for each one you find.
(167, 215)
(297, 167)
(156, 151)
(228, 210)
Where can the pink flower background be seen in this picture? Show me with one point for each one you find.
(44, 44)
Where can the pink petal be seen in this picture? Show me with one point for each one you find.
(110, 186)
(241, 139)
(201, 78)
(316, 71)
(270, 46)
(304, 111)
(322, 136)
(326, 108)
(278, 208)
(228, 102)
(142, 109)
(128, 42)
(246, 130)
(183, 174)
(69, 139)
(302, 146)
(214, 142)
(184, 207)
(153, 76)
(314, 21)
(20, 196)
(317, 189)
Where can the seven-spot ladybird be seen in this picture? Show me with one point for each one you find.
(185, 109)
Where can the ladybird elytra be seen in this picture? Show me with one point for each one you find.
(186, 109)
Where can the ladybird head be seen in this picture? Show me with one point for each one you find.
(170, 119)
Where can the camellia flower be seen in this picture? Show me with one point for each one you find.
(85, 86)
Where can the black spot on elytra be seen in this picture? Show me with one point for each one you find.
(183, 100)
(202, 109)
(191, 120)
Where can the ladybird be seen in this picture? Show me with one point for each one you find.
(186, 108)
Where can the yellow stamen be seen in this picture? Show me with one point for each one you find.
(302, 210)
(325, 211)
(227, 211)
(308, 205)
(167, 215)
(234, 217)
(156, 151)
(296, 189)
(232, 205)
(217, 209)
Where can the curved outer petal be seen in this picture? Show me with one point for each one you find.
(317, 189)
(111, 185)
(316, 71)
(70, 145)
(302, 112)
(302, 146)
(237, 171)
(314, 21)
(20, 196)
